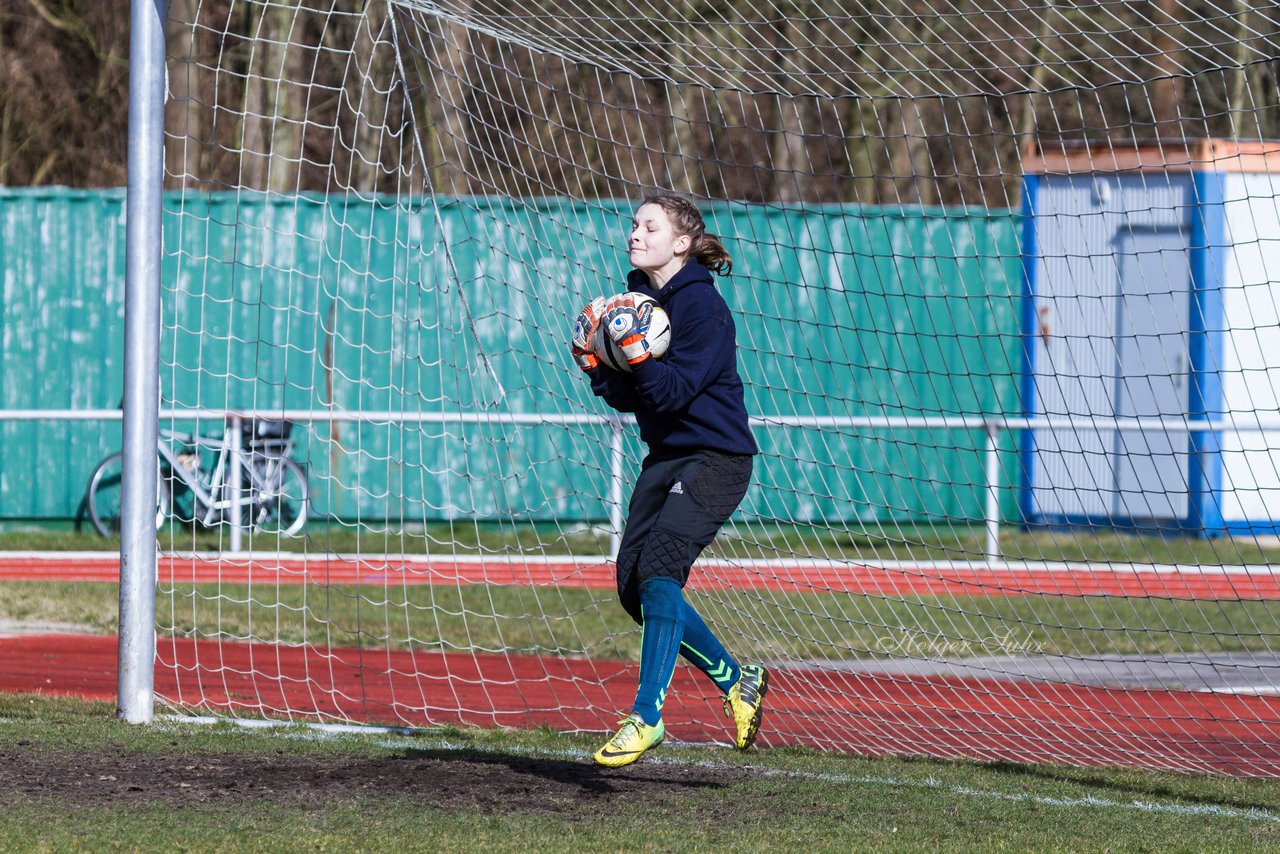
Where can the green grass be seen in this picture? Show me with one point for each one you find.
(740, 540)
(575, 622)
(964, 543)
(337, 538)
(81, 781)
(92, 608)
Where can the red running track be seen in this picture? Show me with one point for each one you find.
(1172, 582)
(981, 718)
(984, 719)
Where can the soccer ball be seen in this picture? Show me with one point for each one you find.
(659, 337)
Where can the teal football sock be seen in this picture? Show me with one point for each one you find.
(701, 648)
(663, 609)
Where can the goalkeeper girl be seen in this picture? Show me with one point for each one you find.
(691, 411)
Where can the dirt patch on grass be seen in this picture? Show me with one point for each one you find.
(461, 780)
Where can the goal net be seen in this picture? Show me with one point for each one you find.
(1003, 314)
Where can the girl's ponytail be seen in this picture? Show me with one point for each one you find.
(710, 253)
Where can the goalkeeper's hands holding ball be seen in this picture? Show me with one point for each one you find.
(584, 334)
(626, 321)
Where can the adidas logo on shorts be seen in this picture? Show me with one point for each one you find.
(678, 488)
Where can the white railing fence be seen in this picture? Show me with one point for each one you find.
(992, 428)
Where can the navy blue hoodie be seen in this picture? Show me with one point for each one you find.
(692, 398)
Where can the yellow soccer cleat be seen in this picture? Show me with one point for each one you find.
(745, 703)
(633, 739)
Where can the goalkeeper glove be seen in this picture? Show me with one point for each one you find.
(626, 321)
(584, 334)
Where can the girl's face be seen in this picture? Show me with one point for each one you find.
(655, 247)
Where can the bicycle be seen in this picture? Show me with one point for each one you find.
(196, 486)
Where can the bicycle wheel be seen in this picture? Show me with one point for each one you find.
(105, 494)
(280, 505)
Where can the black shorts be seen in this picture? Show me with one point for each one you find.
(678, 506)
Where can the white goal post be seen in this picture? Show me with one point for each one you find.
(141, 402)
(1003, 314)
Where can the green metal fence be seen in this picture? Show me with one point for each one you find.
(373, 305)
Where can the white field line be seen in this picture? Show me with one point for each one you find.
(328, 731)
(1243, 689)
(379, 559)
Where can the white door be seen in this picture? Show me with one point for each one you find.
(1073, 347)
(1153, 307)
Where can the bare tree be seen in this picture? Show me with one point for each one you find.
(1166, 90)
(794, 111)
(183, 114)
(448, 115)
(681, 147)
(270, 145)
(371, 115)
(63, 77)
(882, 101)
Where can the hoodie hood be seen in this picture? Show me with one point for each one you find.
(692, 271)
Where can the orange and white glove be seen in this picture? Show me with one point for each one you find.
(626, 321)
(584, 334)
